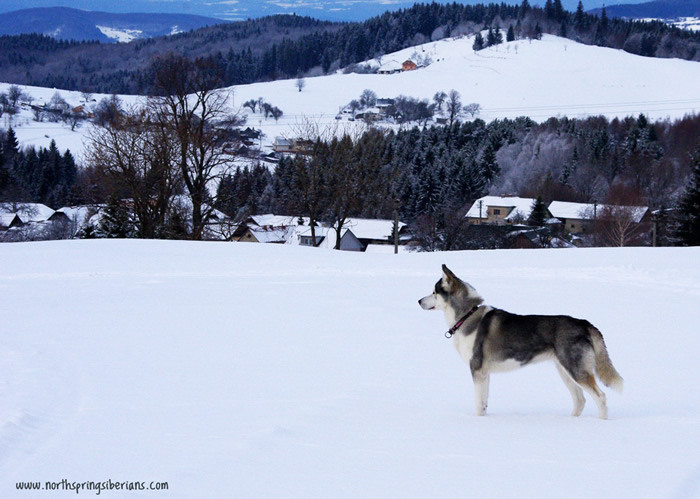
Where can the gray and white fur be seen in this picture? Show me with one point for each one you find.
(492, 340)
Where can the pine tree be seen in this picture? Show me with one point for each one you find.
(478, 42)
(601, 31)
(538, 32)
(488, 165)
(580, 17)
(116, 221)
(10, 147)
(524, 9)
(538, 215)
(510, 35)
(689, 208)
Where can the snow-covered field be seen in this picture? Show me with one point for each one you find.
(249, 371)
(540, 79)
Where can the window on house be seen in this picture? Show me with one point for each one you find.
(496, 211)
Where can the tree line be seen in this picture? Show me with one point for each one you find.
(42, 175)
(158, 155)
(287, 46)
(432, 175)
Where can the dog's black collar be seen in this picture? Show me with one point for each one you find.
(450, 332)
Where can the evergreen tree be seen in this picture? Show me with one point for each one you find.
(549, 9)
(538, 215)
(538, 32)
(510, 34)
(558, 11)
(524, 9)
(487, 164)
(689, 208)
(601, 30)
(10, 147)
(478, 42)
(580, 17)
(116, 221)
(491, 38)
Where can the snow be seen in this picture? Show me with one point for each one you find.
(251, 370)
(689, 23)
(537, 78)
(121, 35)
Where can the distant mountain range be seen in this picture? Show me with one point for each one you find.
(241, 10)
(667, 9)
(73, 24)
(236, 10)
(68, 23)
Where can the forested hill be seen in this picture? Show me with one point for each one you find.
(83, 25)
(286, 46)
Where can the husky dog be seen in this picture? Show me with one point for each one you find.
(492, 340)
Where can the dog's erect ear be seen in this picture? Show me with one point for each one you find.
(449, 276)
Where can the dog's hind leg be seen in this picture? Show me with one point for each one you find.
(574, 388)
(481, 391)
(588, 383)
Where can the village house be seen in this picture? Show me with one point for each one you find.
(390, 67)
(293, 146)
(408, 65)
(32, 221)
(576, 218)
(266, 229)
(282, 145)
(500, 210)
(357, 233)
(377, 232)
(10, 220)
(326, 237)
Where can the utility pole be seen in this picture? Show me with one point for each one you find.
(396, 226)
(595, 223)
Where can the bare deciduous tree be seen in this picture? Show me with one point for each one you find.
(137, 157)
(454, 106)
(191, 107)
(621, 225)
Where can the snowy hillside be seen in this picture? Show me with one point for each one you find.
(540, 79)
(248, 371)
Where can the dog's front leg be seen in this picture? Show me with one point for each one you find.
(481, 391)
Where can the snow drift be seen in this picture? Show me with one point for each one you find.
(244, 370)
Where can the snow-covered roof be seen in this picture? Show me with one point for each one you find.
(28, 212)
(566, 209)
(80, 213)
(328, 234)
(272, 234)
(390, 66)
(281, 141)
(569, 210)
(518, 206)
(7, 218)
(271, 220)
(365, 228)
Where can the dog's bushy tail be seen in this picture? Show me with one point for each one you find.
(603, 366)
